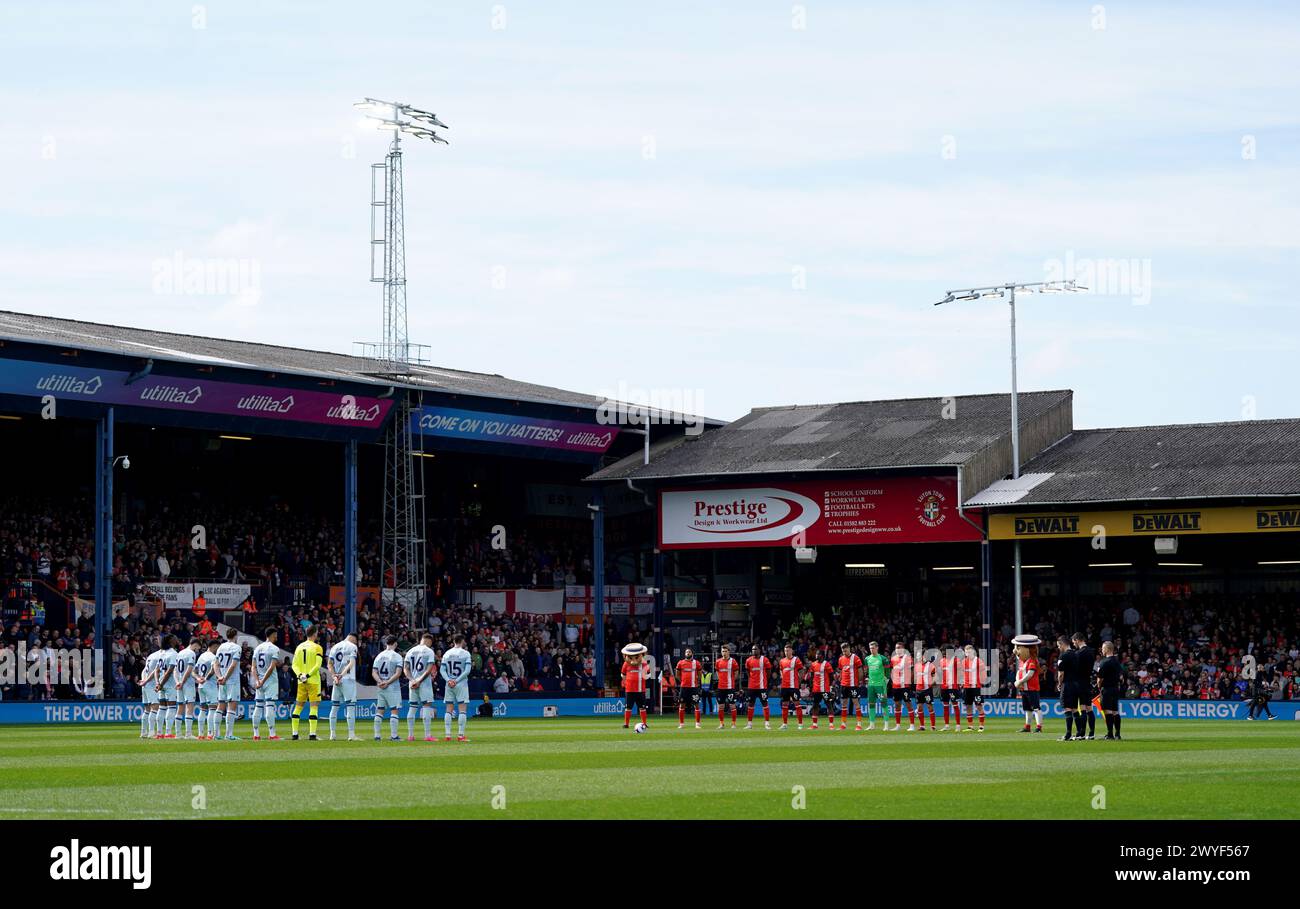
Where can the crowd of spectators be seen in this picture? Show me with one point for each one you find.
(54, 543)
(1182, 647)
(510, 653)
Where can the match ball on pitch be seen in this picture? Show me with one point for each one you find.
(639, 728)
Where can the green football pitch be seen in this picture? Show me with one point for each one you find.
(580, 768)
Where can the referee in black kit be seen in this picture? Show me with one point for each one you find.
(1085, 658)
(1110, 675)
(1065, 685)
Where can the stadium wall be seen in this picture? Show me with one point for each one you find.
(51, 712)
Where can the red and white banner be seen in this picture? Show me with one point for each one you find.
(620, 599)
(533, 602)
(826, 512)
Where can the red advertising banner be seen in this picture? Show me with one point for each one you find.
(828, 512)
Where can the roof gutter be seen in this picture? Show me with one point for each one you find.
(641, 492)
(751, 473)
(1008, 507)
(961, 512)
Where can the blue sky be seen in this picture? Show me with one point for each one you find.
(751, 204)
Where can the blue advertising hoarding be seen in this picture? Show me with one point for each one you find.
(39, 712)
(54, 712)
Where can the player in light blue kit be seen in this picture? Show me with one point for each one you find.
(342, 662)
(149, 696)
(266, 684)
(186, 690)
(205, 673)
(420, 667)
(456, 665)
(387, 672)
(166, 685)
(228, 656)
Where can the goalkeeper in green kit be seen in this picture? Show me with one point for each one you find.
(877, 679)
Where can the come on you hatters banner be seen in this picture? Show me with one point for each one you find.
(513, 429)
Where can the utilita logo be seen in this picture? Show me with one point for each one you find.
(758, 514)
(76, 862)
(266, 404)
(349, 410)
(172, 394)
(70, 385)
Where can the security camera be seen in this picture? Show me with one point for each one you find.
(126, 463)
(805, 555)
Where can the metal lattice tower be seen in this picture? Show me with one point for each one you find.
(403, 549)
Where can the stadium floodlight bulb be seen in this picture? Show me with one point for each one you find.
(432, 119)
(421, 132)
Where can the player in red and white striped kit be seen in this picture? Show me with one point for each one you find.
(823, 677)
(688, 687)
(900, 684)
(791, 668)
(923, 674)
(850, 685)
(950, 686)
(727, 669)
(972, 680)
(758, 669)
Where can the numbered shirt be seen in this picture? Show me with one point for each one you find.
(264, 656)
(152, 665)
(204, 666)
(387, 665)
(972, 672)
(418, 659)
(850, 670)
(823, 674)
(727, 671)
(688, 672)
(900, 669)
(757, 669)
(343, 655)
(185, 661)
(456, 665)
(923, 675)
(790, 669)
(948, 672)
(228, 655)
(169, 658)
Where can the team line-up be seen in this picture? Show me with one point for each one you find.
(906, 681)
(195, 686)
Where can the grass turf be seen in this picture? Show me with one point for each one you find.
(593, 768)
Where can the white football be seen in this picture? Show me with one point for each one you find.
(639, 728)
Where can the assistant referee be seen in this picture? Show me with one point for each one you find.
(1110, 675)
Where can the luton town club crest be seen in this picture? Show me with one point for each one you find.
(930, 508)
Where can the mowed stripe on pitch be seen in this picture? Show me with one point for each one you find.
(588, 769)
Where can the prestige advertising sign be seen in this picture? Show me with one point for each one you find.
(878, 510)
